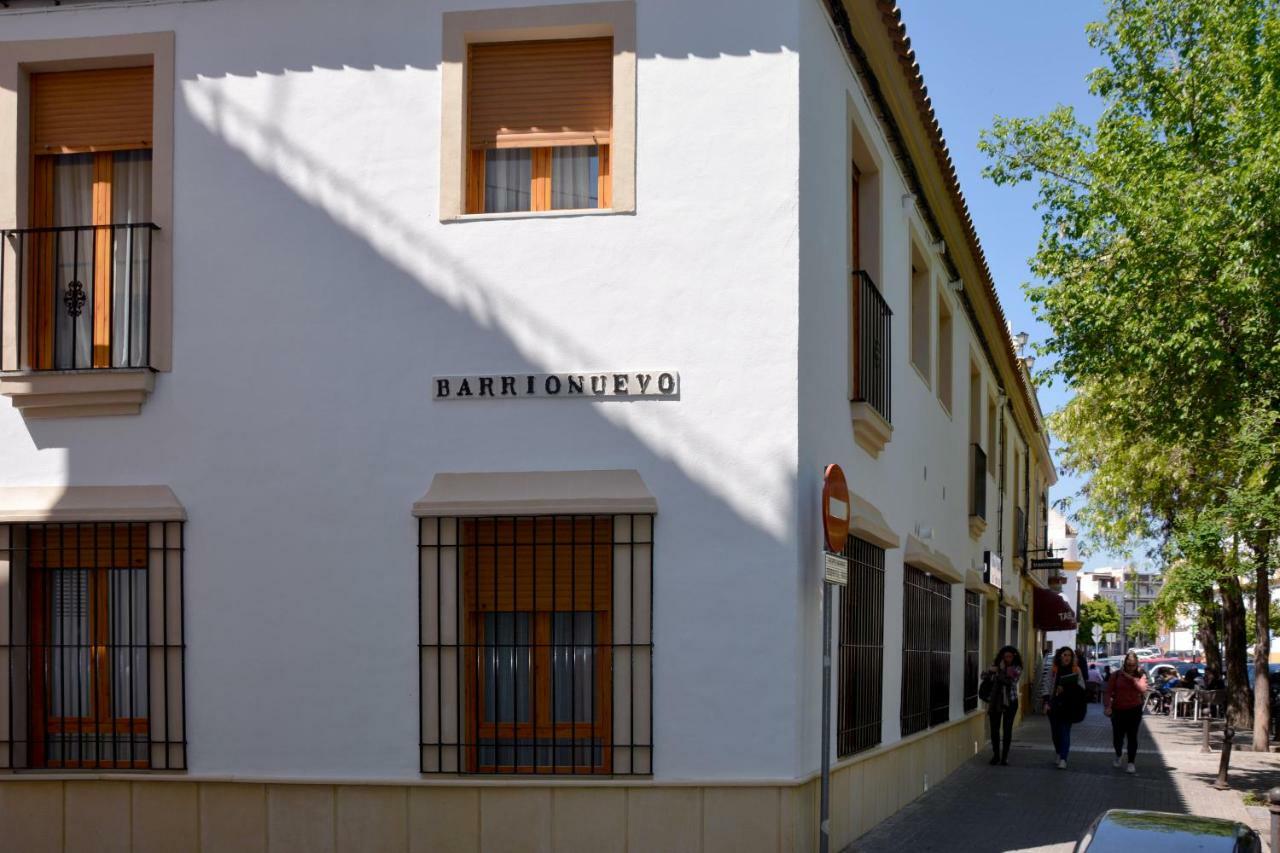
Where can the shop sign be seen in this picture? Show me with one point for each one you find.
(609, 385)
(991, 573)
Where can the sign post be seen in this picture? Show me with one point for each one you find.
(1096, 633)
(835, 570)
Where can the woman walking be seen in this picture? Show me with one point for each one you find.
(1002, 707)
(1122, 702)
(1065, 701)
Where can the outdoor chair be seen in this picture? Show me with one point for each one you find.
(1184, 697)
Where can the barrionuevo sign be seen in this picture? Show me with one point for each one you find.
(605, 385)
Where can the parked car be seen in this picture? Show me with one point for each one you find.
(1124, 831)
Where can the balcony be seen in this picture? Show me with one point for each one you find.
(871, 397)
(1020, 535)
(977, 490)
(75, 319)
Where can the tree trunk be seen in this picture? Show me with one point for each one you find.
(1262, 650)
(1207, 632)
(1237, 667)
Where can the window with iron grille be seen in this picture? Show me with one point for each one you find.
(94, 646)
(972, 634)
(1015, 626)
(861, 673)
(926, 651)
(1002, 635)
(536, 644)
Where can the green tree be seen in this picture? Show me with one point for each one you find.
(1159, 276)
(1097, 611)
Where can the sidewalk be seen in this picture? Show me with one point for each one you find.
(1031, 805)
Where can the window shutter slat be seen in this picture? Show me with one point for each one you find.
(540, 93)
(106, 109)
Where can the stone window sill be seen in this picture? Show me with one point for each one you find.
(78, 393)
(977, 526)
(870, 429)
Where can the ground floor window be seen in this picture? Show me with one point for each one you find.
(926, 651)
(94, 646)
(1002, 635)
(1016, 628)
(972, 653)
(536, 644)
(861, 663)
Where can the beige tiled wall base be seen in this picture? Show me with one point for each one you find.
(255, 817)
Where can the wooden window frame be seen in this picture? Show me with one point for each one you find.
(100, 721)
(598, 600)
(617, 20)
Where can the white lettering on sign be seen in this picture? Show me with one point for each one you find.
(601, 385)
(837, 508)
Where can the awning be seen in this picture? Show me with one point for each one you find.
(1052, 613)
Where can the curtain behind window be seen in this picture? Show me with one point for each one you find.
(73, 253)
(131, 258)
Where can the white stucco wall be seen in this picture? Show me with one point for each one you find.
(316, 292)
(920, 479)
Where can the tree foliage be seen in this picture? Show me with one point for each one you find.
(1098, 611)
(1158, 274)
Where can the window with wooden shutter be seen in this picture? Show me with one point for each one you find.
(539, 125)
(88, 254)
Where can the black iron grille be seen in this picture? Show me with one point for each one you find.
(536, 644)
(82, 297)
(972, 636)
(926, 651)
(95, 646)
(872, 327)
(861, 673)
(978, 487)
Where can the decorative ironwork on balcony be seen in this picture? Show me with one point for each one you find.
(978, 482)
(871, 347)
(76, 297)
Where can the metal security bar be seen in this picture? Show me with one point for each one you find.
(861, 663)
(978, 487)
(76, 298)
(972, 650)
(926, 651)
(93, 647)
(536, 646)
(872, 353)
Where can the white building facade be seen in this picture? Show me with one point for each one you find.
(415, 414)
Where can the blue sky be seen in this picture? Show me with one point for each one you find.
(1007, 58)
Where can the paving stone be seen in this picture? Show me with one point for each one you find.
(1031, 805)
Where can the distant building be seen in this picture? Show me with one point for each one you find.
(1062, 539)
(1131, 589)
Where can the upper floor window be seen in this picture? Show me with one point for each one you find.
(539, 125)
(920, 319)
(86, 258)
(945, 371)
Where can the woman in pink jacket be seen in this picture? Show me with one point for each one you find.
(1122, 702)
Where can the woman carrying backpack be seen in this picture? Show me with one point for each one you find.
(1000, 691)
(1065, 701)
(1123, 704)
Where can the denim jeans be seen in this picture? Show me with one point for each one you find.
(1060, 727)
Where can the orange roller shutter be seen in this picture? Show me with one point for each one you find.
(106, 109)
(540, 93)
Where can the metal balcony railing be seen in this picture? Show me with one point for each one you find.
(871, 346)
(978, 484)
(76, 297)
(1019, 532)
